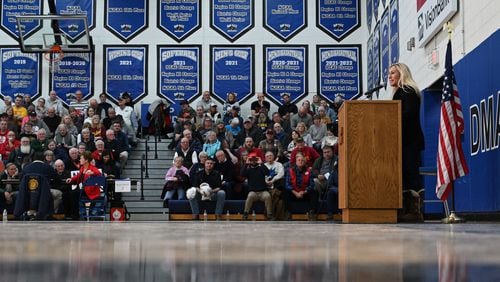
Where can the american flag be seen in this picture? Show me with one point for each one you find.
(450, 159)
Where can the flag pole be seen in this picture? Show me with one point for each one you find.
(451, 217)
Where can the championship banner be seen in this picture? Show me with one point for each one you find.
(369, 66)
(339, 70)
(369, 15)
(180, 18)
(285, 71)
(125, 70)
(384, 44)
(376, 3)
(73, 29)
(10, 9)
(285, 18)
(126, 19)
(394, 32)
(232, 71)
(179, 70)
(339, 18)
(376, 56)
(75, 72)
(20, 73)
(232, 18)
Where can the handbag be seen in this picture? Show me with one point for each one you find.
(168, 186)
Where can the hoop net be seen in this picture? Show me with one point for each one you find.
(54, 55)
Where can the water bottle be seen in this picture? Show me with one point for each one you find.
(205, 215)
(227, 215)
(4, 216)
(254, 216)
(138, 187)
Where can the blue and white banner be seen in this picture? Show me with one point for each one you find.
(394, 32)
(232, 18)
(20, 72)
(384, 44)
(285, 18)
(338, 18)
(10, 9)
(369, 15)
(125, 70)
(126, 19)
(376, 55)
(179, 72)
(75, 72)
(179, 19)
(285, 71)
(232, 71)
(369, 66)
(376, 3)
(74, 29)
(339, 70)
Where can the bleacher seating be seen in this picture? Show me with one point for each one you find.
(181, 210)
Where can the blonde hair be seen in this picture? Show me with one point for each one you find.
(406, 81)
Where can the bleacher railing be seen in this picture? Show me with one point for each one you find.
(143, 168)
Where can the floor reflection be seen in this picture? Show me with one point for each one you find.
(247, 252)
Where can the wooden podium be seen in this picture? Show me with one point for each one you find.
(370, 157)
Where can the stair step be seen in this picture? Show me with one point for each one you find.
(146, 210)
(151, 208)
(148, 217)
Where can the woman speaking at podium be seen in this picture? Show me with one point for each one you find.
(406, 90)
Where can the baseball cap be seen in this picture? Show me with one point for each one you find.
(213, 105)
(32, 113)
(269, 131)
(285, 94)
(300, 140)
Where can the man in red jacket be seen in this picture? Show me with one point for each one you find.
(300, 186)
(309, 153)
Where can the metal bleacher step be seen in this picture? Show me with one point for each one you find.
(151, 208)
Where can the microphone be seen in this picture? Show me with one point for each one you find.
(375, 89)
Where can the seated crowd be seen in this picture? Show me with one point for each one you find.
(286, 156)
(87, 133)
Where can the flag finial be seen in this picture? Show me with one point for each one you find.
(448, 27)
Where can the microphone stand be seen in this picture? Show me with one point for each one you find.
(376, 89)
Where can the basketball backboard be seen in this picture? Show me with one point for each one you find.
(71, 33)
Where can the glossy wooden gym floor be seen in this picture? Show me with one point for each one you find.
(248, 251)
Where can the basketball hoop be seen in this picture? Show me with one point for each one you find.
(54, 55)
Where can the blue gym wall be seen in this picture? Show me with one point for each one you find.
(478, 77)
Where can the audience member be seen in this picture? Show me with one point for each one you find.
(249, 130)
(22, 155)
(177, 181)
(256, 174)
(9, 145)
(70, 197)
(300, 186)
(211, 178)
(55, 102)
(287, 107)
(41, 143)
(226, 168)
(212, 144)
(52, 120)
(302, 116)
(260, 104)
(205, 102)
